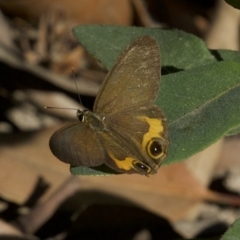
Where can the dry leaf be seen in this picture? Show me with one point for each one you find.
(173, 192)
(81, 12)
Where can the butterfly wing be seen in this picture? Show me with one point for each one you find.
(134, 79)
(132, 126)
(132, 137)
(136, 128)
(78, 145)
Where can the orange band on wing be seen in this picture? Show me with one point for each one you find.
(154, 131)
(125, 164)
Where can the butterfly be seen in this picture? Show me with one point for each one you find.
(125, 131)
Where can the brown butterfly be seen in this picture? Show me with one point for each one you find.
(125, 131)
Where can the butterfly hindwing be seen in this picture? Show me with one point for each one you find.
(77, 144)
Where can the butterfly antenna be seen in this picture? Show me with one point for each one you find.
(47, 107)
(79, 97)
(74, 78)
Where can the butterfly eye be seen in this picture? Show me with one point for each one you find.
(81, 115)
(141, 167)
(154, 148)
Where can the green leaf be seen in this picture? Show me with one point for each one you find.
(201, 104)
(227, 55)
(233, 233)
(178, 49)
(234, 3)
(233, 131)
(102, 170)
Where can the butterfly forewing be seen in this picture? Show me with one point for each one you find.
(134, 79)
(129, 128)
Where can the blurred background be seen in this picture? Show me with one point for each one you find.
(39, 199)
